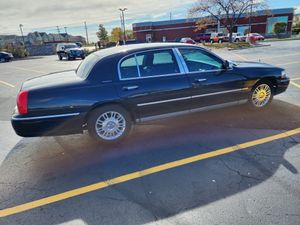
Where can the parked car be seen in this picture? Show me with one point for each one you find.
(256, 36)
(237, 37)
(187, 40)
(203, 37)
(69, 51)
(115, 88)
(218, 38)
(6, 56)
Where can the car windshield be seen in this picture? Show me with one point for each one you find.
(70, 46)
(86, 66)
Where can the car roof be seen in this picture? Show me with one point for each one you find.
(137, 47)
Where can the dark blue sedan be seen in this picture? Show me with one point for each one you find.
(6, 57)
(115, 88)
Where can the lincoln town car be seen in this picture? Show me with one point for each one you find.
(114, 89)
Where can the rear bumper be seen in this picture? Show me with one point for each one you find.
(49, 125)
(282, 85)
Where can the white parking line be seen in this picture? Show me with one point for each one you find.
(288, 63)
(7, 84)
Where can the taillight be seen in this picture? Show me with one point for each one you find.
(22, 102)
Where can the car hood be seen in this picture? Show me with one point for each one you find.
(51, 80)
(242, 64)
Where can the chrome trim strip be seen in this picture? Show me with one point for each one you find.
(191, 97)
(45, 117)
(164, 101)
(206, 108)
(220, 92)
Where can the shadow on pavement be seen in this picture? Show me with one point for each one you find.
(40, 167)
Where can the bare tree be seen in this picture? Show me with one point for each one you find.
(225, 12)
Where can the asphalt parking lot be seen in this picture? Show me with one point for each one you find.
(228, 166)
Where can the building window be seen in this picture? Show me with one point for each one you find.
(273, 20)
(243, 29)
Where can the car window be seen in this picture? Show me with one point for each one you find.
(128, 68)
(159, 62)
(85, 67)
(198, 60)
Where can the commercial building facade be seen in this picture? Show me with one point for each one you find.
(260, 22)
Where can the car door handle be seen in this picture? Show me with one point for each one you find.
(197, 82)
(129, 88)
(200, 80)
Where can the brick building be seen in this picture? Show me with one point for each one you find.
(260, 22)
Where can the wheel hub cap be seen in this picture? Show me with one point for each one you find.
(261, 95)
(110, 125)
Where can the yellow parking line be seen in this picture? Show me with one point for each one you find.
(141, 173)
(295, 84)
(7, 84)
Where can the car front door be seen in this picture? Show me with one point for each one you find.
(153, 83)
(212, 84)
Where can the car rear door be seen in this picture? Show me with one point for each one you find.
(153, 83)
(211, 83)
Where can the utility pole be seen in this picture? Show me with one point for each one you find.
(251, 11)
(86, 33)
(66, 31)
(123, 23)
(21, 29)
(58, 31)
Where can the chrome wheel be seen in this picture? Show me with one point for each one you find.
(110, 125)
(261, 95)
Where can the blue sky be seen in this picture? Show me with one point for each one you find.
(45, 15)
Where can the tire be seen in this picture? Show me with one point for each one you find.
(109, 124)
(261, 95)
(60, 57)
(220, 41)
(82, 57)
(211, 41)
(237, 40)
(68, 57)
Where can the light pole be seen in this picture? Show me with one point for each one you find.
(21, 29)
(123, 23)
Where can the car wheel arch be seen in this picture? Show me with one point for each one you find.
(101, 105)
(270, 80)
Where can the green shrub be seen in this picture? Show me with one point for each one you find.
(18, 51)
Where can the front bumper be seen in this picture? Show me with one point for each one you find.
(49, 125)
(282, 85)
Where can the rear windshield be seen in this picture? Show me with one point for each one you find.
(86, 66)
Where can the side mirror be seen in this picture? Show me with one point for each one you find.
(227, 65)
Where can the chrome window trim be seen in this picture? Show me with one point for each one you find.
(192, 97)
(45, 117)
(140, 77)
(203, 50)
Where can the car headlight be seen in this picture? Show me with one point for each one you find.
(283, 74)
